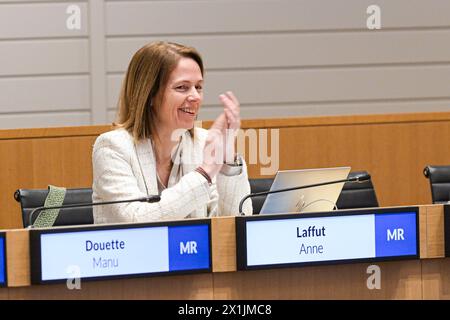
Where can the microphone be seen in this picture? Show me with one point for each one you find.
(360, 178)
(149, 199)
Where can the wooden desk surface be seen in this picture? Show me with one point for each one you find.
(427, 278)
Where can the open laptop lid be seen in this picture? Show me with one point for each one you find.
(314, 199)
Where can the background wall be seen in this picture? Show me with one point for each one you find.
(282, 58)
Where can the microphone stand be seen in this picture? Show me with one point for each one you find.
(149, 199)
(251, 195)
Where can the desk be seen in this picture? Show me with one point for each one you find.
(426, 278)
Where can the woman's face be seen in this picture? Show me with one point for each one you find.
(182, 97)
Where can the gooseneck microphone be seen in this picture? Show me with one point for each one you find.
(149, 199)
(359, 178)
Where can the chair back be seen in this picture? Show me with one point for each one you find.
(357, 194)
(30, 199)
(259, 185)
(439, 177)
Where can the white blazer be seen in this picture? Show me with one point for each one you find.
(123, 170)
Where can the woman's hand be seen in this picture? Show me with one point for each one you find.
(233, 118)
(213, 151)
(220, 143)
(232, 110)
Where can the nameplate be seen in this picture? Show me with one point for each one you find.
(325, 238)
(113, 251)
(2, 259)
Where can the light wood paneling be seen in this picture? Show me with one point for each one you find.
(394, 154)
(435, 232)
(431, 225)
(114, 83)
(281, 50)
(393, 148)
(399, 280)
(54, 93)
(288, 58)
(436, 279)
(197, 286)
(356, 120)
(111, 116)
(34, 158)
(36, 163)
(323, 85)
(330, 109)
(34, 18)
(18, 262)
(363, 83)
(50, 119)
(223, 230)
(98, 64)
(423, 236)
(156, 17)
(18, 1)
(44, 57)
(61, 132)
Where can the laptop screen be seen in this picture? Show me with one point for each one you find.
(314, 199)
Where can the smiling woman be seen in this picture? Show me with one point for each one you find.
(155, 148)
(182, 97)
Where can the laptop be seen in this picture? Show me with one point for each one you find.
(314, 199)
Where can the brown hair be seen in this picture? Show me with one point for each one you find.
(147, 74)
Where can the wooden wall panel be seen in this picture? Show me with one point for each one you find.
(36, 163)
(393, 148)
(44, 57)
(223, 231)
(436, 279)
(399, 280)
(18, 261)
(274, 16)
(53, 93)
(394, 154)
(198, 286)
(282, 58)
(312, 109)
(281, 50)
(34, 17)
(298, 86)
(51, 119)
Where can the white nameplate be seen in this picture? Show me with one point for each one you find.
(99, 252)
(298, 239)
